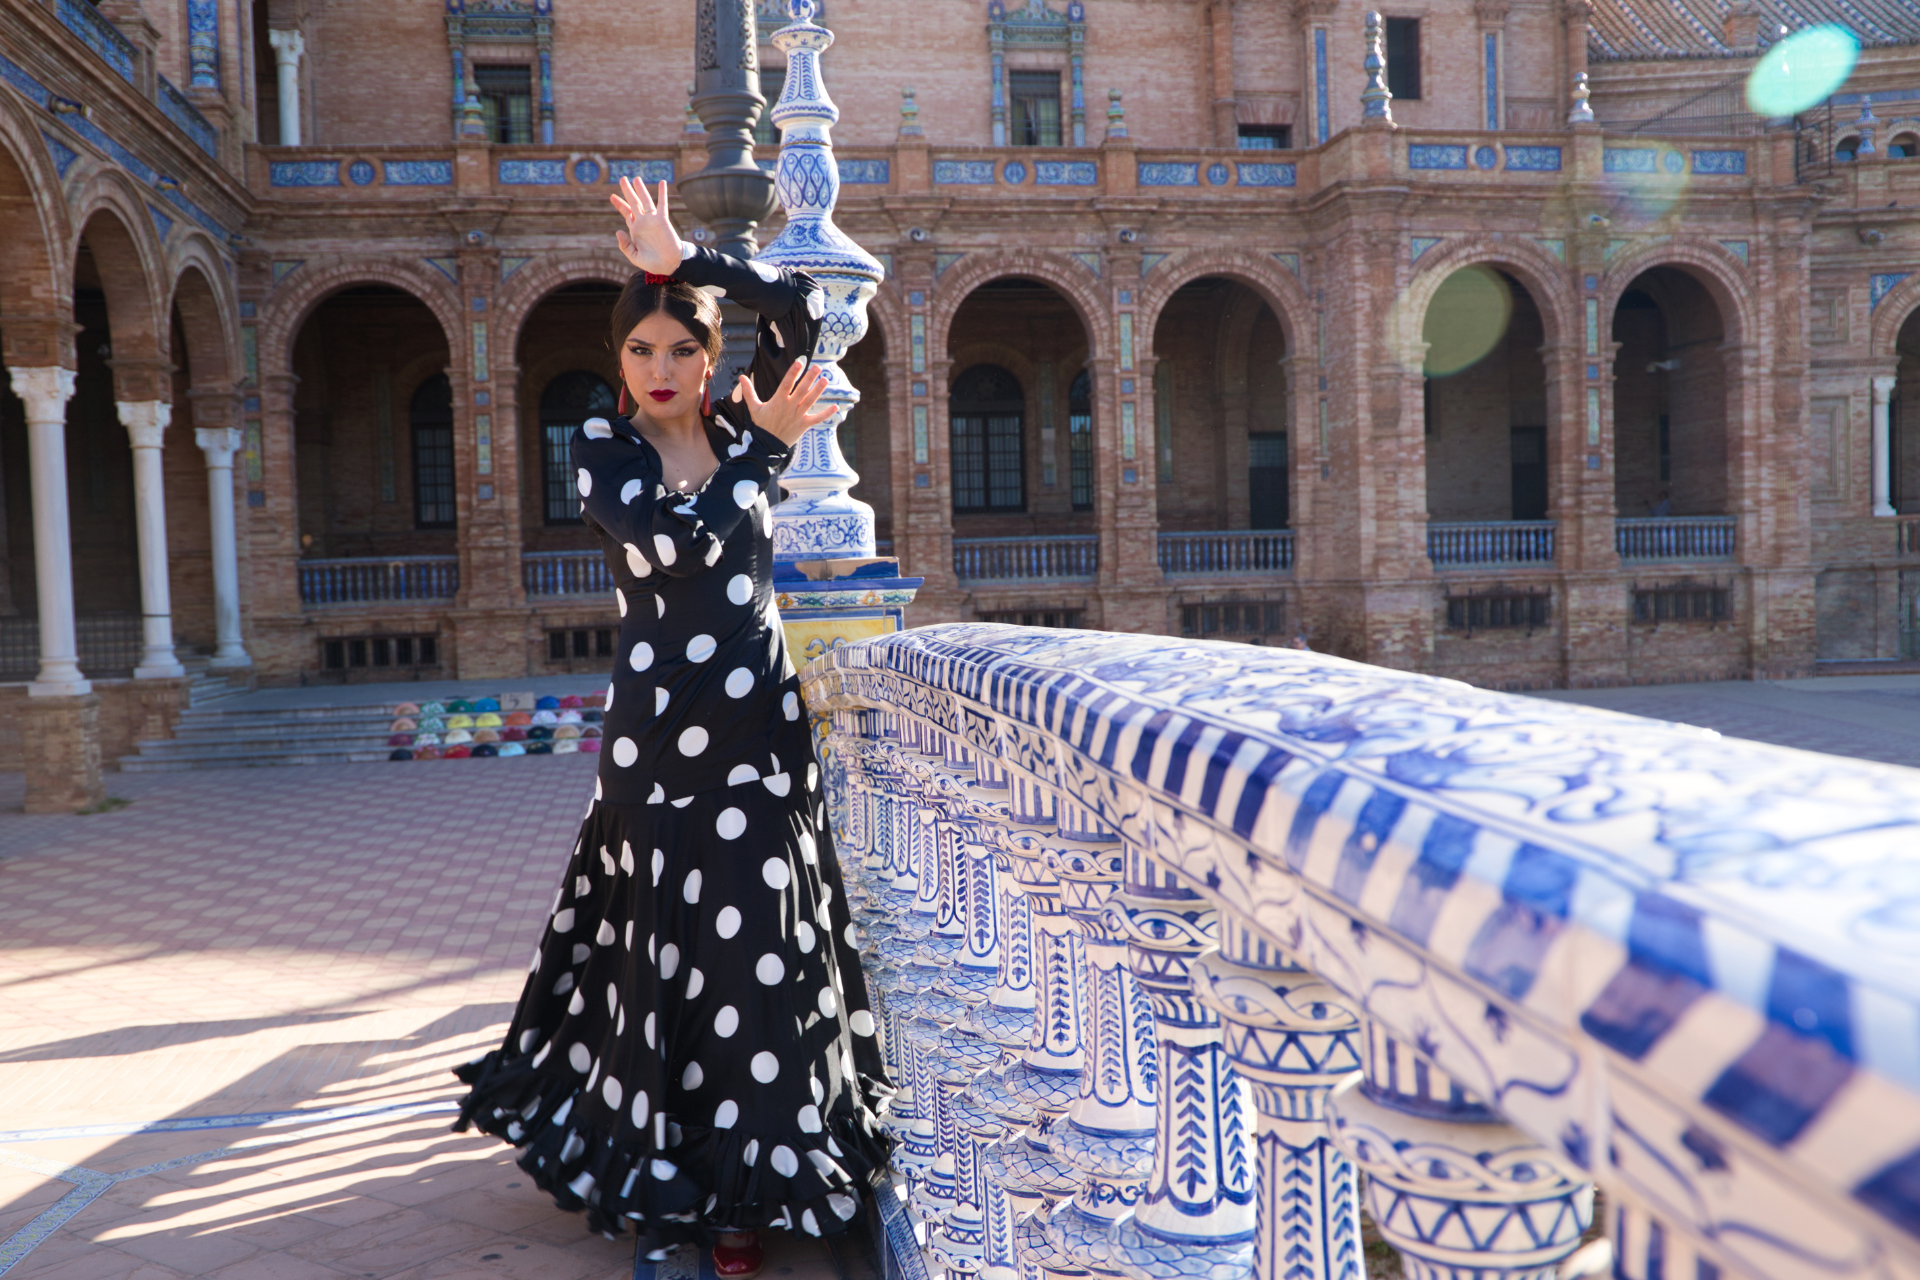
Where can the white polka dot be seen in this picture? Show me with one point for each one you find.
(625, 752)
(726, 1022)
(637, 564)
(640, 1109)
(764, 1067)
(631, 490)
(629, 942)
(541, 1056)
(824, 1163)
(739, 588)
(744, 492)
(620, 598)
(852, 937)
(659, 700)
(647, 1030)
(819, 1090)
(665, 1170)
(700, 648)
(669, 960)
(584, 482)
(730, 824)
(752, 1152)
(693, 1077)
(813, 777)
(597, 429)
(642, 657)
(612, 1092)
(620, 1023)
(742, 773)
(808, 850)
(605, 706)
(775, 873)
(739, 682)
(714, 551)
(691, 889)
(563, 921)
(659, 606)
(577, 1005)
(613, 990)
(605, 935)
(650, 939)
(582, 886)
(626, 857)
(659, 795)
(727, 923)
(659, 865)
(809, 1223)
(696, 981)
(726, 1115)
(766, 521)
(809, 1119)
(784, 1161)
(803, 934)
(827, 1002)
(790, 705)
(663, 549)
(861, 1022)
(529, 1038)
(580, 1058)
(693, 741)
(843, 1206)
(770, 969)
(779, 783)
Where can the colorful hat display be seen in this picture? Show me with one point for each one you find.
(433, 724)
(539, 733)
(486, 704)
(494, 726)
(402, 754)
(596, 699)
(400, 740)
(589, 744)
(486, 735)
(512, 749)
(546, 717)
(407, 709)
(513, 733)
(403, 724)
(433, 708)
(460, 720)
(457, 737)
(573, 700)
(520, 717)
(539, 748)
(566, 748)
(548, 703)
(569, 716)
(458, 753)
(566, 733)
(590, 731)
(426, 753)
(485, 751)
(487, 720)
(426, 739)
(459, 704)
(593, 715)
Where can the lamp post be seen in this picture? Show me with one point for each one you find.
(731, 195)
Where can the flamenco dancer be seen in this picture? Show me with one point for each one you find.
(693, 1054)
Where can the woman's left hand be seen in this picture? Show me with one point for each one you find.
(648, 240)
(789, 412)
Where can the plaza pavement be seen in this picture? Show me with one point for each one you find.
(227, 1009)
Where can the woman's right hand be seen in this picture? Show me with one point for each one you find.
(648, 240)
(790, 411)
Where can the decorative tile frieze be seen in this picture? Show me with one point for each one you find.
(448, 267)
(1533, 159)
(963, 172)
(1263, 174)
(162, 224)
(651, 172)
(875, 173)
(1426, 155)
(1066, 173)
(63, 155)
(533, 173)
(418, 173)
(1730, 163)
(304, 173)
(1630, 160)
(1162, 173)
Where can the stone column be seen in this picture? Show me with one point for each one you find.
(45, 393)
(288, 46)
(1292, 1039)
(219, 444)
(1883, 388)
(146, 422)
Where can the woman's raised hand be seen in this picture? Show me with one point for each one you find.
(789, 411)
(648, 240)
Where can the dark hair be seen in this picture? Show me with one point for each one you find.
(694, 309)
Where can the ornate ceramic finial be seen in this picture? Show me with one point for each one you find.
(473, 120)
(1865, 125)
(1581, 113)
(819, 519)
(1376, 101)
(693, 124)
(909, 114)
(1116, 115)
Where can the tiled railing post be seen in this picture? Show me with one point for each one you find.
(1462, 1194)
(1292, 1038)
(1197, 1217)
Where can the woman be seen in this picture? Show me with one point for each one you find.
(693, 1051)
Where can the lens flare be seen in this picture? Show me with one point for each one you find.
(1466, 319)
(1802, 70)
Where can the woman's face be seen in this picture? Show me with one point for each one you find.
(664, 367)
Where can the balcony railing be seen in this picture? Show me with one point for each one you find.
(175, 106)
(565, 573)
(1490, 542)
(98, 35)
(108, 644)
(1070, 558)
(1175, 939)
(1674, 537)
(378, 581)
(1227, 551)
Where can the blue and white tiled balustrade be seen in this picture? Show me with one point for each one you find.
(1175, 940)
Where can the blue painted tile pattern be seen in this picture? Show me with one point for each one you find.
(1260, 174)
(1427, 155)
(1155, 173)
(418, 173)
(304, 173)
(963, 172)
(1066, 173)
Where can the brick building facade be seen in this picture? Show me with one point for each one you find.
(1175, 337)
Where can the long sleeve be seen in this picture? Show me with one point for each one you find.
(676, 534)
(790, 304)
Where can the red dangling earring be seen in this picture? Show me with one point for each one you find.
(622, 409)
(706, 398)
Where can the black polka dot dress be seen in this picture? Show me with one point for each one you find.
(694, 1051)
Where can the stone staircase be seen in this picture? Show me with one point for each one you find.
(212, 737)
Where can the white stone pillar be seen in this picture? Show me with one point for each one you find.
(45, 392)
(146, 423)
(288, 46)
(1883, 445)
(220, 444)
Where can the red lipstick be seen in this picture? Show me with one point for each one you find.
(661, 397)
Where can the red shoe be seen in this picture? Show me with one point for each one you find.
(739, 1262)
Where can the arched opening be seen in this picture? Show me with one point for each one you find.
(198, 352)
(866, 435)
(568, 401)
(986, 416)
(566, 377)
(1017, 346)
(1080, 441)
(1847, 148)
(1485, 422)
(1220, 410)
(1905, 146)
(373, 429)
(1669, 398)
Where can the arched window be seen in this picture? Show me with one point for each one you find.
(569, 400)
(1904, 147)
(1080, 441)
(1846, 149)
(987, 411)
(431, 417)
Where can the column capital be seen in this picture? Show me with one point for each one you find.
(48, 387)
(146, 421)
(288, 45)
(1883, 385)
(218, 443)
